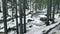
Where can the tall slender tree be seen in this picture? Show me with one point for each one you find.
(7, 11)
(0, 8)
(24, 8)
(53, 14)
(20, 12)
(57, 6)
(54, 6)
(12, 6)
(48, 11)
(4, 3)
(16, 17)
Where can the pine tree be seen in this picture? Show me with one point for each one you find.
(12, 4)
(0, 8)
(24, 8)
(54, 5)
(57, 6)
(50, 9)
(16, 17)
(53, 14)
(20, 12)
(4, 15)
(48, 6)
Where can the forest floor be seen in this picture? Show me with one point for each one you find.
(38, 26)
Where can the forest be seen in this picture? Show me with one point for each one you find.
(29, 16)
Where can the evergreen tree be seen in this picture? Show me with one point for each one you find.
(54, 7)
(16, 17)
(53, 14)
(12, 6)
(0, 4)
(20, 12)
(0, 8)
(4, 15)
(48, 11)
(24, 8)
(57, 6)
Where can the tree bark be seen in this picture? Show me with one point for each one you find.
(57, 6)
(20, 12)
(4, 3)
(16, 17)
(48, 12)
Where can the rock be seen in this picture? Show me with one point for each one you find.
(51, 19)
(43, 19)
(30, 26)
(29, 20)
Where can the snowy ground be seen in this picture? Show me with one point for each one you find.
(38, 26)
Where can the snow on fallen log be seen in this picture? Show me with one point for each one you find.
(45, 30)
(50, 27)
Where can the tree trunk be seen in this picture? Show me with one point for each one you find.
(0, 9)
(48, 11)
(12, 9)
(16, 17)
(50, 8)
(53, 13)
(24, 7)
(4, 15)
(20, 12)
(57, 6)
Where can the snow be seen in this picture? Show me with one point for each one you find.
(39, 29)
(0, 16)
(42, 16)
(56, 30)
(1, 30)
(56, 15)
(35, 30)
(44, 10)
(38, 26)
(12, 32)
